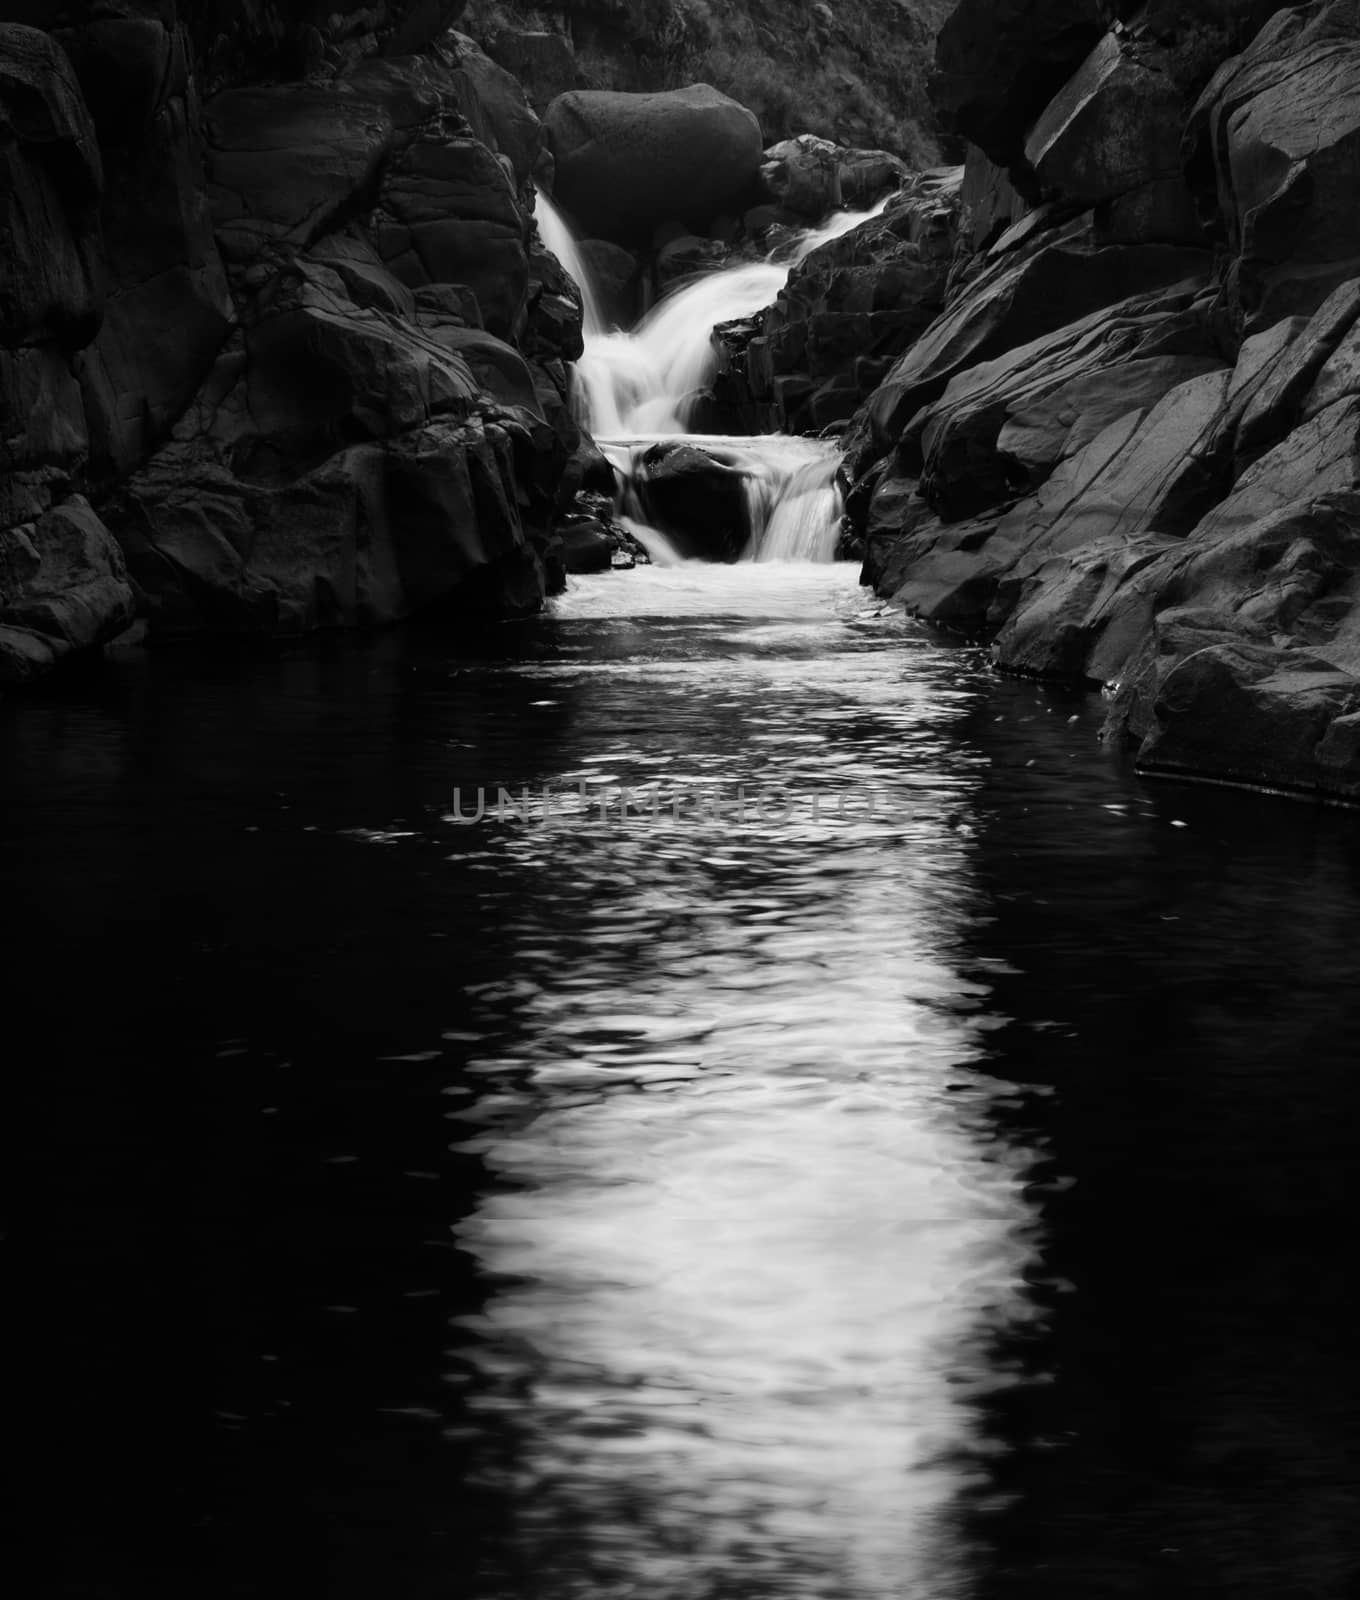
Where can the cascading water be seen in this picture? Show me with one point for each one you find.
(638, 387)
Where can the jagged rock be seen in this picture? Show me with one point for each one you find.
(848, 309)
(1077, 614)
(803, 175)
(63, 589)
(51, 178)
(1279, 398)
(554, 331)
(44, 442)
(1016, 299)
(288, 163)
(625, 162)
(351, 255)
(372, 534)
(955, 441)
(494, 104)
(448, 214)
(989, 200)
(1249, 667)
(1114, 127)
(1319, 457)
(1040, 432)
(1279, 127)
(867, 175)
(999, 64)
(1148, 471)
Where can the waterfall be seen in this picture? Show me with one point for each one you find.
(638, 386)
(558, 237)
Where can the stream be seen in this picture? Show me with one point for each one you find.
(705, 1094)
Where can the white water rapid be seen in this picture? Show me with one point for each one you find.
(639, 386)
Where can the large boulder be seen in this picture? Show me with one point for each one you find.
(625, 162)
(1114, 127)
(1278, 129)
(700, 501)
(999, 64)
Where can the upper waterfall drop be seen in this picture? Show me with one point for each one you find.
(637, 387)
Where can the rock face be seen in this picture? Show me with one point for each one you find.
(295, 340)
(848, 310)
(1119, 458)
(626, 162)
(998, 65)
(1280, 127)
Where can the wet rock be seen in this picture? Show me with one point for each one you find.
(63, 589)
(1015, 300)
(803, 175)
(687, 257)
(1248, 668)
(1319, 457)
(956, 442)
(625, 162)
(1280, 395)
(849, 309)
(1279, 130)
(867, 175)
(586, 547)
(699, 501)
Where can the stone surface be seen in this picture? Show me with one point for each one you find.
(51, 179)
(1017, 299)
(1278, 129)
(626, 162)
(698, 500)
(956, 442)
(999, 64)
(803, 175)
(63, 589)
(1114, 126)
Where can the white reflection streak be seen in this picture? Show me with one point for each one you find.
(750, 1242)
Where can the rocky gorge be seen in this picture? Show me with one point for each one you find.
(282, 347)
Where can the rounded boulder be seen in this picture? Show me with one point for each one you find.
(628, 161)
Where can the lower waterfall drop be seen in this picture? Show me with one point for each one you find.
(637, 389)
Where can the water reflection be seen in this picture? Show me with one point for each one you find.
(747, 1250)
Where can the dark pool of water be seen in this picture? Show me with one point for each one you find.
(949, 1195)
